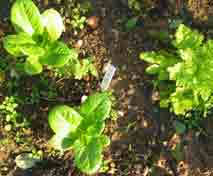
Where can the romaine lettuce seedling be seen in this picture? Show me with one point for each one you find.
(37, 38)
(80, 129)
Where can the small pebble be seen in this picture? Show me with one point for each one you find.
(155, 96)
(144, 124)
(83, 98)
(8, 127)
(112, 165)
(131, 91)
(121, 113)
(78, 44)
(93, 22)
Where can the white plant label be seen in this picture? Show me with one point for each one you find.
(110, 71)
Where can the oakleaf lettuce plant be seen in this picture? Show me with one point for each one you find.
(187, 71)
(80, 129)
(37, 38)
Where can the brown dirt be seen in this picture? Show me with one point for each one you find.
(143, 137)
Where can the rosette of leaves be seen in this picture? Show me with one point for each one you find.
(37, 37)
(77, 69)
(80, 129)
(76, 13)
(187, 72)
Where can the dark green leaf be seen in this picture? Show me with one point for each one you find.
(32, 66)
(88, 154)
(131, 24)
(57, 55)
(179, 127)
(96, 129)
(96, 107)
(178, 152)
(105, 141)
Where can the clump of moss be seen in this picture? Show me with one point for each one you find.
(76, 13)
(139, 6)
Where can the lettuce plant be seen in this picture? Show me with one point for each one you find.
(80, 129)
(37, 38)
(186, 70)
(77, 69)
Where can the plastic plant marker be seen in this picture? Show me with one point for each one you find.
(108, 77)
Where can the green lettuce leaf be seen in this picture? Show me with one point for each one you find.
(32, 66)
(162, 58)
(20, 45)
(57, 55)
(182, 101)
(96, 107)
(96, 129)
(153, 69)
(26, 17)
(64, 119)
(88, 154)
(82, 132)
(160, 61)
(53, 23)
(186, 38)
(189, 70)
(63, 142)
(82, 69)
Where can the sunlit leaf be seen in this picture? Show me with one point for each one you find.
(53, 23)
(64, 119)
(32, 66)
(26, 17)
(20, 44)
(186, 38)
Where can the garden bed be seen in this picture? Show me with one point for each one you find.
(144, 138)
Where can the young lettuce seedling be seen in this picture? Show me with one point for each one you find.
(187, 72)
(37, 38)
(81, 129)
